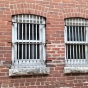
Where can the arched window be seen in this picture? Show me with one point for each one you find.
(28, 39)
(76, 42)
(28, 45)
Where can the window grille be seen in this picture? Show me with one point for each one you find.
(76, 42)
(28, 39)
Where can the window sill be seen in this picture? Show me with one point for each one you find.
(75, 70)
(29, 71)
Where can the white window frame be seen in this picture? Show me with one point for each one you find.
(16, 63)
(76, 62)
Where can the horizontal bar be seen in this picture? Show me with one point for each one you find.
(28, 23)
(77, 25)
(86, 43)
(28, 43)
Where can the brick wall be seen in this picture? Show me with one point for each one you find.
(55, 12)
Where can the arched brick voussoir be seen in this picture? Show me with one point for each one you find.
(75, 12)
(28, 8)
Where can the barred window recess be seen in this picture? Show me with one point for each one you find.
(28, 40)
(76, 42)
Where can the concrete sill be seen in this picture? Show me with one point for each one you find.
(75, 70)
(29, 71)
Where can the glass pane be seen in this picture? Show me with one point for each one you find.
(68, 46)
(84, 52)
(84, 34)
(38, 32)
(28, 51)
(67, 33)
(70, 33)
(31, 51)
(76, 33)
(35, 51)
(71, 51)
(17, 51)
(20, 51)
(19, 31)
(34, 31)
(23, 32)
(24, 51)
(38, 51)
(75, 51)
(30, 31)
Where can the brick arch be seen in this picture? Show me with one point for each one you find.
(75, 12)
(29, 8)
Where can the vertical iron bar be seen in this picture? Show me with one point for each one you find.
(32, 37)
(22, 38)
(25, 39)
(18, 37)
(36, 38)
(29, 36)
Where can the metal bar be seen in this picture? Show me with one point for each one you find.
(81, 34)
(76, 25)
(25, 39)
(79, 53)
(22, 37)
(18, 37)
(25, 45)
(40, 47)
(32, 29)
(29, 37)
(81, 43)
(31, 23)
(28, 43)
(69, 33)
(36, 37)
(70, 52)
(73, 52)
(32, 38)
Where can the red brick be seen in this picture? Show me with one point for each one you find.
(4, 70)
(55, 11)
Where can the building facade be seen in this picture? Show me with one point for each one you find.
(43, 43)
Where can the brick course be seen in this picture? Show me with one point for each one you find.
(55, 12)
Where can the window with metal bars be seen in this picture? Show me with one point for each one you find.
(28, 40)
(76, 42)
